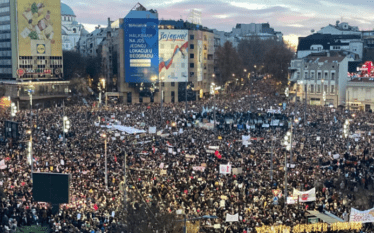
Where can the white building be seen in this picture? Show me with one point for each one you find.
(360, 94)
(318, 75)
(340, 29)
(71, 30)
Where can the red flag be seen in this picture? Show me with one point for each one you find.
(95, 207)
(115, 158)
(153, 149)
(216, 153)
(219, 156)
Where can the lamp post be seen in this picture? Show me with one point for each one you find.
(106, 164)
(30, 91)
(103, 89)
(66, 127)
(346, 132)
(13, 110)
(323, 92)
(288, 144)
(214, 104)
(324, 98)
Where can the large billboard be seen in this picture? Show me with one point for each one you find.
(141, 47)
(199, 56)
(173, 49)
(39, 27)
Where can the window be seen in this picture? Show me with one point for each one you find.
(311, 88)
(192, 55)
(318, 88)
(173, 84)
(183, 65)
(325, 88)
(332, 76)
(163, 84)
(326, 75)
(162, 46)
(171, 46)
(205, 38)
(306, 75)
(311, 75)
(192, 37)
(191, 46)
(319, 76)
(192, 65)
(332, 89)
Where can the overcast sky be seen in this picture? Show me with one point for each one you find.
(292, 17)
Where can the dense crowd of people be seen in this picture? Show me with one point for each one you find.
(161, 166)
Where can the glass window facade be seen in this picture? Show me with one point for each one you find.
(5, 40)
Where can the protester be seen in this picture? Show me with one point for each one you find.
(320, 155)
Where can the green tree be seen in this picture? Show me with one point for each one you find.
(228, 63)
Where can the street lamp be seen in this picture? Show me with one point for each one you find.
(13, 110)
(346, 131)
(324, 98)
(106, 164)
(66, 126)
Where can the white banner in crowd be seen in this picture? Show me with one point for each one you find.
(291, 200)
(198, 168)
(232, 218)
(305, 196)
(2, 164)
(362, 216)
(152, 130)
(225, 169)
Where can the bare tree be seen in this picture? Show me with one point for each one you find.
(79, 86)
(228, 63)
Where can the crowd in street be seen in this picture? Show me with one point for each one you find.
(161, 166)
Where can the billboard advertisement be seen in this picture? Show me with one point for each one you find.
(199, 56)
(141, 47)
(39, 27)
(173, 49)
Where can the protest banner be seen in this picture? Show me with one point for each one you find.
(232, 218)
(237, 171)
(198, 168)
(362, 216)
(225, 169)
(305, 196)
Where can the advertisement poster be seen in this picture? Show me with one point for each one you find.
(362, 216)
(173, 51)
(141, 47)
(39, 27)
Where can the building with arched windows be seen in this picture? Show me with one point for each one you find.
(71, 30)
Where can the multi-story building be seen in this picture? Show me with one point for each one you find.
(317, 43)
(31, 49)
(262, 31)
(360, 94)
(319, 76)
(340, 29)
(185, 53)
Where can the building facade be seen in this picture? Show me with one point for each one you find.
(320, 80)
(262, 31)
(186, 62)
(360, 94)
(32, 49)
(351, 44)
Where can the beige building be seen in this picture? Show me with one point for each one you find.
(320, 77)
(360, 94)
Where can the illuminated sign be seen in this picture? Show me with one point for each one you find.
(141, 47)
(38, 71)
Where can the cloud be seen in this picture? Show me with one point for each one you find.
(291, 17)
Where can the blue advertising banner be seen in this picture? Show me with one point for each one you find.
(141, 47)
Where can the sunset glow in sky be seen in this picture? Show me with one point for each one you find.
(293, 18)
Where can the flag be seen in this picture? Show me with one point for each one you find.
(115, 158)
(95, 207)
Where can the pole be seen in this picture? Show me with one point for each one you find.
(124, 185)
(348, 101)
(162, 98)
(32, 165)
(186, 97)
(271, 158)
(306, 97)
(106, 168)
(185, 223)
(99, 99)
(63, 120)
(214, 113)
(106, 98)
